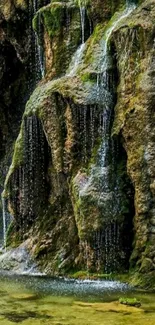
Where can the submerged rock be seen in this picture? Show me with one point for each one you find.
(111, 307)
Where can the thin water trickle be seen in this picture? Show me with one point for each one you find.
(34, 166)
(39, 50)
(104, 61)
(82, 14)
(28, 182)
(82, 6)
(78, 56)
(85, 134)
(112, 230)
(36, 61)
(4, 222)
(39, 65)
(92, 126)
(76, 60)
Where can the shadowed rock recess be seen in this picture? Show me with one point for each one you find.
(81, 186)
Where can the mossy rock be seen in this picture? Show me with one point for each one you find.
(147, 265)
(59, 26)
(91, 276)
(130, 302)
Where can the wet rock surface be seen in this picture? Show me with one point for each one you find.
(95, 210)
(17, 261)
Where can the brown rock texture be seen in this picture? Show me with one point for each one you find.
(89, 216)
(134, 116)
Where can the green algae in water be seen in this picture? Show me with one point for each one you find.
(130, 302)
(35, 300)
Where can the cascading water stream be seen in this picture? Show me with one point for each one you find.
(76, 60)
(82, 15)
(102, 180)
(105, 90)
(107, 165)
(36, 64)
(39, 65)
(39, 50)
(27, 184)
(21, 179)
(33, 62)
(6, 220)
(107, 152)
(78, 56)
(32, 183)
(104, 62)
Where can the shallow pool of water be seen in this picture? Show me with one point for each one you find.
(40, 300)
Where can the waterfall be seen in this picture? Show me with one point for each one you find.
(104, 62)
(92, 126)
(103, 182)
(36, 62)
(76, 60)
(34, 66)
(39, 65)
(27, 182)
(33, 180)
(109, 187)
(27, 185)
(78, 56)
(6, 220)
(112, 247)
(82, 15)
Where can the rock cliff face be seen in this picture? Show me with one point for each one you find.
(81, 182)
(134, 116)
(13, 77)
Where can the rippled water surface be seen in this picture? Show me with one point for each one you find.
(40, 300)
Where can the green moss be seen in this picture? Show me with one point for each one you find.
(85, 210)
(18, 150)
(82, 274)
(92, 43)
(35, 23)
(64, 37)
(88, 77)
(144, 281)
(88, 217)
(52, 18)
(13, 238)
(130, 302)
(17, 159)
(94, 155)
(95, 42)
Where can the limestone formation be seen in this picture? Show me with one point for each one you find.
(81, 184)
